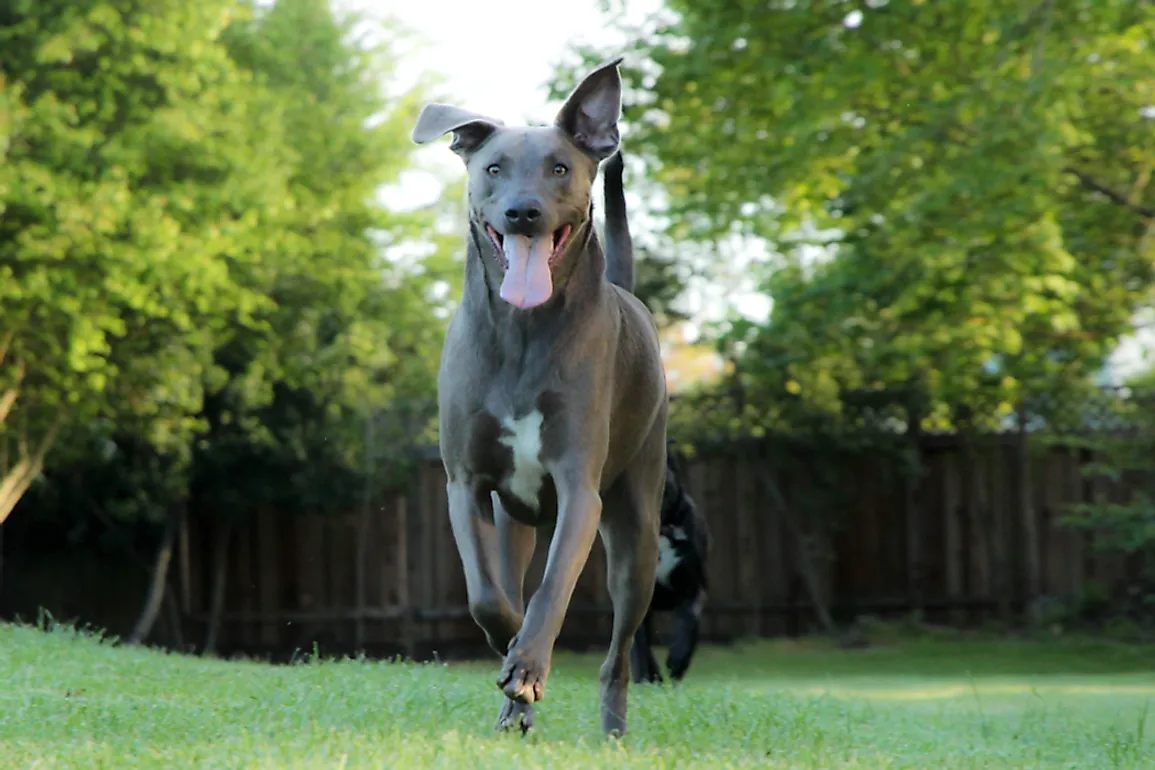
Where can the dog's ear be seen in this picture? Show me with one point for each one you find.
(591, 113)
(470, 130)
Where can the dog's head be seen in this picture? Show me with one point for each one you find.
(530, 187)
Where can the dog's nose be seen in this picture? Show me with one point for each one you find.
(523, 216)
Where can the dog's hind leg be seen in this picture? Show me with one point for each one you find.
(643, 666)
(689, 616)
(477, 543)
(629, 530)
(515, 545)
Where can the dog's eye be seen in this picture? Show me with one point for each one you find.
(560, 169)
(493, 169)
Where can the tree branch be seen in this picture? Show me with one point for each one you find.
(1117, 198)
(19, 479)
(7, 401)
(6, 344)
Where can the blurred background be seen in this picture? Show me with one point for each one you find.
(902, 255)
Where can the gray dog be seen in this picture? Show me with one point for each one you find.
(551, 392)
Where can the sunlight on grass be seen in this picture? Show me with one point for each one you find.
(946, 692)
(69, 701)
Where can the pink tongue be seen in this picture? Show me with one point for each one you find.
(528, 282)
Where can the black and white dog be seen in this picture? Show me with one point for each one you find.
(680, 582)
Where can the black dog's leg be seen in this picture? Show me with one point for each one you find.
(643, 666)
(685, 637)
(629, 531)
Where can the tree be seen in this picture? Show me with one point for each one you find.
(1125, 525)
(321, 309)
(140, 168)
(353, 327)
(960, 195)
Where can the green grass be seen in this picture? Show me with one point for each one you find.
(68, 701)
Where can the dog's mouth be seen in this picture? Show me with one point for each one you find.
(528, 265)
(558, 240)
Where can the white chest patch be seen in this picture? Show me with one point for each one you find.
(668, 557)
(524, 440)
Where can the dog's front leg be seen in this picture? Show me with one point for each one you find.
(527, 665)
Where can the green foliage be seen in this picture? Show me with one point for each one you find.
(192, 249)
(352, 329)
(659, 283)
(1126, 460)
(959, 193)
(141, 170)
(104, 488)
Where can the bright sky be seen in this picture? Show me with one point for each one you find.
(496, 57)
(491, 56)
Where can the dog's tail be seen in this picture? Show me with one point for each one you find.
(619, 244)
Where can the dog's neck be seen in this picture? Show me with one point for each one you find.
(576, 293)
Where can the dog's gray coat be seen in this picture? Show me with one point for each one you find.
(554, 416)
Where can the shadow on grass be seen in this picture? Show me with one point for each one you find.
(85, 704)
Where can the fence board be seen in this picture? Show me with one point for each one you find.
(999, 535)
(268, 571)
(311, 564)
(292, 579)
(951, 509)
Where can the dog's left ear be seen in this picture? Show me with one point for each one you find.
(591, 113)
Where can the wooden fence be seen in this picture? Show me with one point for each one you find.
(974, 541)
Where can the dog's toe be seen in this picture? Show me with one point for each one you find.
(515, 714)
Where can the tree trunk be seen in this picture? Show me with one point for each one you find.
(3, 472)
(154, 600)
(220, 574)
(7, 401)
(19, 478)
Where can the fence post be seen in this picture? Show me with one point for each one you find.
(361, 546)
(970, 530)
(914, 529)
(806, 566)
(404, 600)
(184, 567)
(746, 530)
(1027, 512)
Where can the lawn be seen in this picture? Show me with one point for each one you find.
(68, 701)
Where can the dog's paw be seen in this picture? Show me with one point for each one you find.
(678, 669)
(523, 676)
(614, 703)
(515, 714)
(648, 675)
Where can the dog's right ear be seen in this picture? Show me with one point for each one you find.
(470, 130)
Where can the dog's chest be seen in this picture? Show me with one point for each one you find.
(524, 472)
(669, 555)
